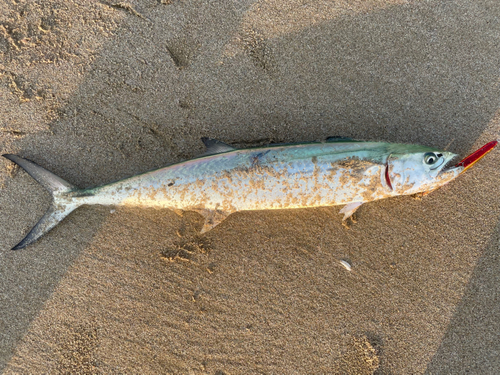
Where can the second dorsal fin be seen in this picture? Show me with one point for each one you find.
(337, 138)
(215, 147)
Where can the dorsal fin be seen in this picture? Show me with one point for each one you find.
(340, 139)
(215, 147)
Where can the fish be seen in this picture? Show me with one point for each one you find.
(225, 179)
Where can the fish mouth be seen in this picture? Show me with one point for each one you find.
(473, 158)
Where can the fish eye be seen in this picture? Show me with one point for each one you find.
(431, 158)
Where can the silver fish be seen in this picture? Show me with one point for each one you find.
(225, 180)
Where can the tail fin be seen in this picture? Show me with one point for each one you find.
(61, 206)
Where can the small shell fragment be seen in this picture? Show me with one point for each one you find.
(346, 265)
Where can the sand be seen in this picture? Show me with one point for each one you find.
(96, 91)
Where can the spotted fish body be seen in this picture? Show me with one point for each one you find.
(226, 180)
(307, 175)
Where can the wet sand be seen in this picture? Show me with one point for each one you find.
(99, 91)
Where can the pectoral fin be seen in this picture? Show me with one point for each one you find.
(349, 209)
(212, 218)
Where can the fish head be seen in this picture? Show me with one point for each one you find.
(422, 171)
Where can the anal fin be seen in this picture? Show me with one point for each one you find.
(178, 211)
(350, 209)
(212, 218)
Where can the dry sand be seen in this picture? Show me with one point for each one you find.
(100, 90)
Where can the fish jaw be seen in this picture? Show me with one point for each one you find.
(445, 176)
(448, 174)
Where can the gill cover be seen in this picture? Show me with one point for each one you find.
(418, 172)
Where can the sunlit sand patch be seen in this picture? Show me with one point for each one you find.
(492, 131)
(272, 18)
